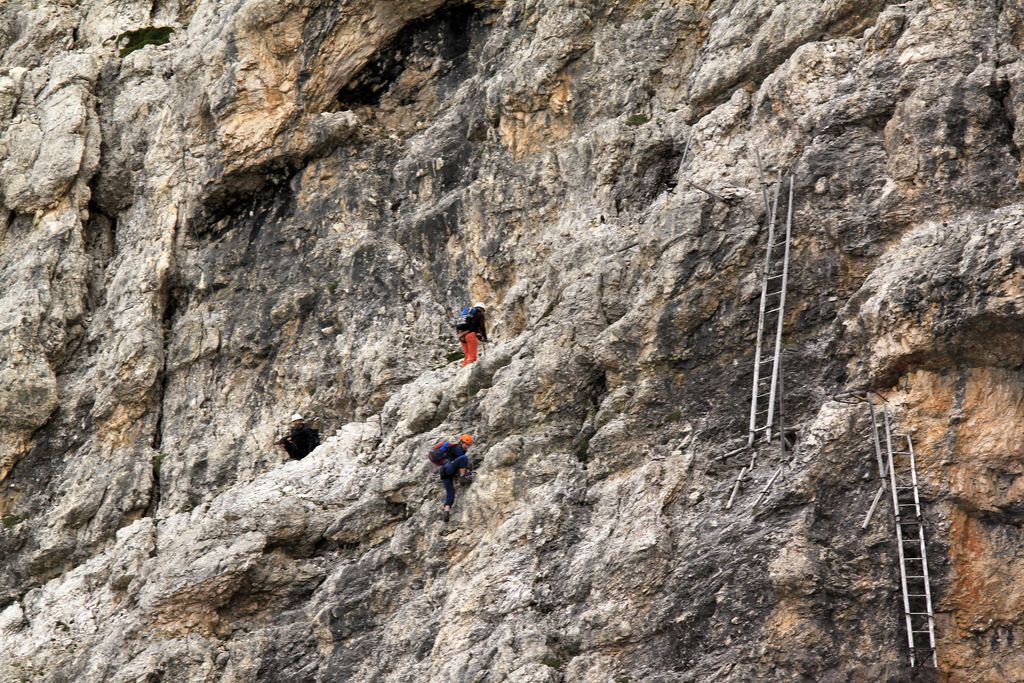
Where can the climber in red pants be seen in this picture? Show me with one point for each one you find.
(471, 327)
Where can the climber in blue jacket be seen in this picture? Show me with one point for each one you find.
(453, 461)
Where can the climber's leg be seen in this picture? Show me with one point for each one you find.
(449, 490)
(468, 340)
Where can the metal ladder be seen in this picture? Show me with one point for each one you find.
(897, 471)
(766, 392)
(768, 347)
(906, 504)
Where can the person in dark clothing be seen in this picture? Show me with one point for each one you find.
(472, 327)
(456, 463)
(302, 439)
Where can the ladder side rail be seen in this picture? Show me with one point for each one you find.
(685, 163)
(731, 453)
(739, 478)
(782, 304)
(875, 428)
(782, 448)
(899, 536)
(735, 488)
(882, 465)
(874, 504)
(924, 554)
(767, 487)
(770, 218)
(796, 454)
(764, 184)
(782, 423)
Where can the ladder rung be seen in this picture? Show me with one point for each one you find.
(774, 310)
(925, 631)
(776, 277)
(775, 293)
(920, 614)
(911, 558)
(917, 577)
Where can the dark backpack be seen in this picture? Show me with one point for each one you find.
(467, 319)
(316, 436)
(438, 454)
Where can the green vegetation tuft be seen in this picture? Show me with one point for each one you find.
(583, 451)
(648, 13)
(637, 120)
(454, 356)
(11, 520)
(157, 462)
(552, 662)
(140, 38)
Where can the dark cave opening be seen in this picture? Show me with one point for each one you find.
(438, 42)
(240, 197)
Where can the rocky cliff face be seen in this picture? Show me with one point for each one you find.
(213, 214)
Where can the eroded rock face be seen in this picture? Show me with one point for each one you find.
(280, 208)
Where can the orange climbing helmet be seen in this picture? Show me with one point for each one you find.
(466, 439)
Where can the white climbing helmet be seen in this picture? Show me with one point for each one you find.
(297, 416)
(480, 306)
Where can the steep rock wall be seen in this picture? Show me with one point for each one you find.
(279, 208)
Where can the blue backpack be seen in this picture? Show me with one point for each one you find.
(438, 454)
(465, 319)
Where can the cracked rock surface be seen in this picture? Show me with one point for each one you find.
(268, 207)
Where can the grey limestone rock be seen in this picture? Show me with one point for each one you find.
(266, 207)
